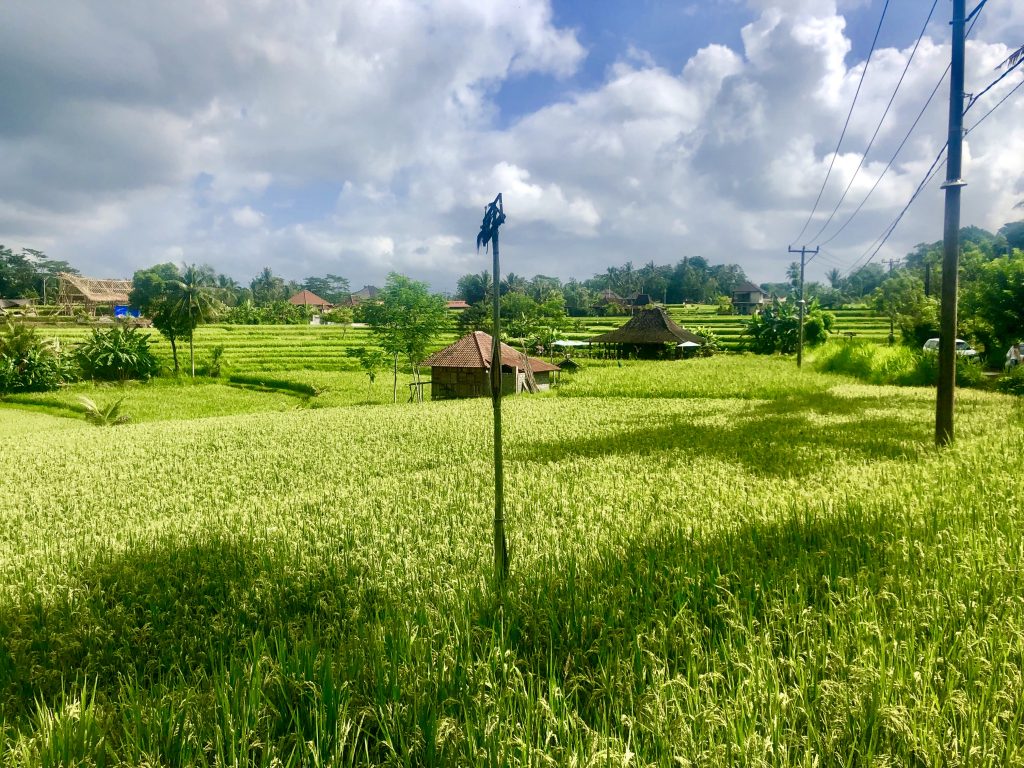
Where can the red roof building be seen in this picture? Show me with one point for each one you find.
(306, 298)
(463, 369)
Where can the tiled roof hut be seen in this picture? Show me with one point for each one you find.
(463, 369)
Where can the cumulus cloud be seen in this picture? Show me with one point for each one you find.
(356, 138)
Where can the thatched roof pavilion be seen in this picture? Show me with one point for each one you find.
(89, 292)
(648, 334)
(463, 369)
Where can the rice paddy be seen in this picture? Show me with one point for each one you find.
(714, 562)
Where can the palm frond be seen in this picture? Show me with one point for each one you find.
(494, 217)
(103, 416)
(1013, 59)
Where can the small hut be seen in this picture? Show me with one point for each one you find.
(650, 333)
(306, 298)
(463, 369)
(90, 293)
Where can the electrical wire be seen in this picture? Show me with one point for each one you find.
(846, 125)
(993, 84)
(998, 104)
(976, 14)
(878, 128)
(887, 233)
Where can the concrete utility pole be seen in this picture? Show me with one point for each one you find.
(802, 304)
(892, 264)
(951, 235)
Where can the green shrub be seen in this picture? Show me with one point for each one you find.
(117, 354)
(1012, 383)
(712, 344)
(213, 365)
(29, 363)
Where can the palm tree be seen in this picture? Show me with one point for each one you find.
(513, 283)
(834, 277)
(193, 301)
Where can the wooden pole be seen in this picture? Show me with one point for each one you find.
(500, 545)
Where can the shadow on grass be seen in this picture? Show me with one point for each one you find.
(784, 437)
(593, 625)
(169, 608)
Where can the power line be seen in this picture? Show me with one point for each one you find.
(881, 239)
(892, 159)
(881, 121)
(993, 84)
(998, 104)
(846, 124)
(888, 166)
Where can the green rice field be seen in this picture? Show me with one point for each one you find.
(284, 348)
(715, 562)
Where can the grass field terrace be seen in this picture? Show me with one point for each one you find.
(714, 562)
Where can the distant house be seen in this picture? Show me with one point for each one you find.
(458, 304)
(366, 293)
(609, 297)
(306, 298)
(747, 298)
(90, 293)
(463, 369)
(640, 300)
(650, 333)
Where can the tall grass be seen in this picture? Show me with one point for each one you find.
(794, 577)
(900, 366)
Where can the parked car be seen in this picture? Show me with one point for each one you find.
(962, 347)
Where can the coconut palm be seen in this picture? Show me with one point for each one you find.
(193, 301)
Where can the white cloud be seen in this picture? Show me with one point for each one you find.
(246, 217)
(356, 138)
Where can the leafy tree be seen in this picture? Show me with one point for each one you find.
(579, 299)
(24, 274)
(151, 294)
(342, 316)
(475, 288)
(997, 297)
(1014, 234)
(405, 321)
(371, 361)
(332, 288)
(267, 287)
(900, 294)
(193, 301)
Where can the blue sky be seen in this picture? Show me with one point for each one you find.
(357, 138)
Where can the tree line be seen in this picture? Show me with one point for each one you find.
(991, 297)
